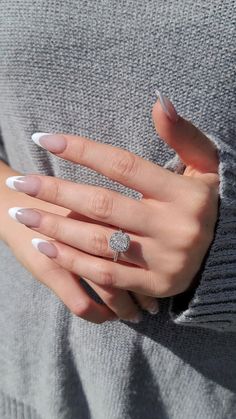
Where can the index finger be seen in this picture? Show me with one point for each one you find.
(152, 180)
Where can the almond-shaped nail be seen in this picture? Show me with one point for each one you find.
(45, 247)
(28, 184)
(153, 308)
(55, 143)
(27, 216)
(167, 107)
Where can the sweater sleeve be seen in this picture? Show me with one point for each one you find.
(211, 301)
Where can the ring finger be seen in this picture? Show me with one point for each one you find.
(102, 271)
(90, 238)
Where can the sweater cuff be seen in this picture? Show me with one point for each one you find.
(211, 300)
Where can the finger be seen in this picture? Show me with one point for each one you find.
(115, 163)
(101, 271)
(192, 145)
(147, 303)
(67, 287)
(90, 238)
(94, 202)
(119, 301)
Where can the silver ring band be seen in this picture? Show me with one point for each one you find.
(119, 242)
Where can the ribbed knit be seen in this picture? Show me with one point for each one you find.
(92, 68)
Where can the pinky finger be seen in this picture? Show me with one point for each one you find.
(67, 287)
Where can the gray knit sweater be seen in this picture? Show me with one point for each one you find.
(91, 67)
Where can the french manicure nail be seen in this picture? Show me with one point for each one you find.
(55, 143)
(136, 319)
(26, 216)
(27, 184)
(45, 247)
(153, 308)
(167, 107)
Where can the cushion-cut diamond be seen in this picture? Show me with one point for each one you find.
(119, 241)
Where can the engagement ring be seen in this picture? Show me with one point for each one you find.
(119, 242)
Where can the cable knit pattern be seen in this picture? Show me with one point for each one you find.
(92, 68)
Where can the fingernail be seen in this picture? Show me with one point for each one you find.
(26, 216)
(153, 308)
(45, 247)
(55, 143)
(27, 184)
(136, 319)
(167, 107)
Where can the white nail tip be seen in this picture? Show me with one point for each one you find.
(36, 137)
(159, 94)
(162, 100)
(35, 242)
(12, 212)
(10, 181)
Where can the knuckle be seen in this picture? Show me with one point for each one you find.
(81, 149)
(167, 290)
(205, 196)
(55, 191)
(193, 235)
(99, 244)
(71, 263)
(179, 267)
(105, 275)
(51, 226)
(172, 277)
(81, 308)
(203, 200)
(101, 204)
(124, 165)
(169, 285)
(177, 282)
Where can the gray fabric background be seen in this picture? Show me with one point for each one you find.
(91, 68)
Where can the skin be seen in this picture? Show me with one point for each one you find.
(172, 226)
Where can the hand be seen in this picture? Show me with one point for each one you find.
(63, 283)
(171, 228)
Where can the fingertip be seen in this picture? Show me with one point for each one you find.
(165, 128)
(166, 107)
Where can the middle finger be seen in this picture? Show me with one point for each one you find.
(94, 202)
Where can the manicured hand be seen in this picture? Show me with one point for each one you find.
(170, 228)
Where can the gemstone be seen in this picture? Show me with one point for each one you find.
(119, 241)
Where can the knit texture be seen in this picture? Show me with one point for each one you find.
(91, 68)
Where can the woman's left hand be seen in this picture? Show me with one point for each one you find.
(170, 228)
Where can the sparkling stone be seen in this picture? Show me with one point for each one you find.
(119, 241)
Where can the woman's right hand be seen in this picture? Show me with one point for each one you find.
(66, 285)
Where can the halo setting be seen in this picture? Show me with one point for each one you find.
(119, 242)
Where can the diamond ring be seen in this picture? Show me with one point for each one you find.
(119, 242)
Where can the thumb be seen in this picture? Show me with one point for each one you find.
(193, 147)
